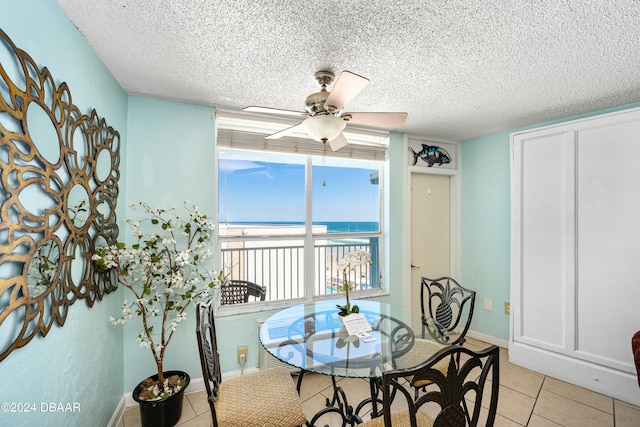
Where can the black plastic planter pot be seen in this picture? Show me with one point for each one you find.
(164, 412)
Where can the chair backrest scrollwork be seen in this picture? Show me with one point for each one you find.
(459, 392)
(448, 303)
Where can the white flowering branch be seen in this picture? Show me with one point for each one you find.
(164, 270)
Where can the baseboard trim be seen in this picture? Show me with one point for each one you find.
(601, 379)
(488, 339)
(117, 414)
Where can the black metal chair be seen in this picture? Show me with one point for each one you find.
(266, 398)
(459, 393)
(445, 301)
(239, 291)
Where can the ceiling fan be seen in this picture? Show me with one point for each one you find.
(325, 120)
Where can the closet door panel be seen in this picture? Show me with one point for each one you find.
(608, 226)
(543, 244)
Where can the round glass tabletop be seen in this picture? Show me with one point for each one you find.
(313, 337)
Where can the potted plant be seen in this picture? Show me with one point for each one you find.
(164, 270)
(350, 261)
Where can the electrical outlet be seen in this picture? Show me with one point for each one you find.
(488, 304)
(242, 354)
(507, 307)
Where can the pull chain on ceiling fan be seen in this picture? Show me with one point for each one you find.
(325, 120)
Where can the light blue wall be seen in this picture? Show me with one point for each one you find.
(486, 223)
(394, 224)
(81, 361)
(485, 229)
(173, 146)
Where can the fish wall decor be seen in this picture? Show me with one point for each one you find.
(431, 154)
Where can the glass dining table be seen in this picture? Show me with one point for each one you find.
(312, 337)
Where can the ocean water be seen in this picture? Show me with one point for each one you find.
(332, 226)
(350, 227)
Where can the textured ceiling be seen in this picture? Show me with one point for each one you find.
(460, 68)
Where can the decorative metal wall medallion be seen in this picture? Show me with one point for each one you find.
(59, 172)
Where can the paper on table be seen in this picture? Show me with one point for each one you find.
(365, 337)
(356, 323)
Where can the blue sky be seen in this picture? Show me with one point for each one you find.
(273, 190)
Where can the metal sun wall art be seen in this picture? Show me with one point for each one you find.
(59, 172)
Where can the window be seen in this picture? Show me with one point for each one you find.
(286, 219)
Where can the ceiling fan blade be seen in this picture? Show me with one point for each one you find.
(268, 110)
(384, 120)
(285, 132)
(345, 89)
(338, 142)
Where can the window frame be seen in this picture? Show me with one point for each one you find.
(377, 141)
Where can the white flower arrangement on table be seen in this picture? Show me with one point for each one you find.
(350, 262)
(165, 272)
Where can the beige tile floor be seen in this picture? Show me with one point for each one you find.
(526, 398)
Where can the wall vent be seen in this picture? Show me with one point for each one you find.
(266, 360)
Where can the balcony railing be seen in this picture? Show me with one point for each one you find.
(280, 264)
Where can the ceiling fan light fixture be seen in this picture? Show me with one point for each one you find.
(324, 127)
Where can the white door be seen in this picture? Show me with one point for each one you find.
(430, 230)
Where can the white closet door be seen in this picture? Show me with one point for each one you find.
(608, 226)
(575, 282)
